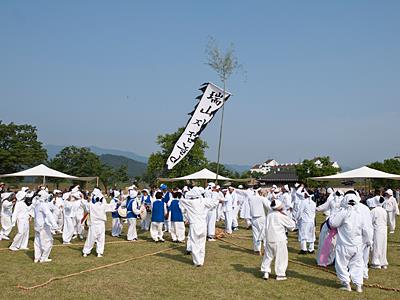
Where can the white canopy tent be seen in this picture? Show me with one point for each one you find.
(360, 173)
(204, 174)
(43, 171)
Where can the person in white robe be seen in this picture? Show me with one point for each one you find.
(277, 223)
(374, 201)
(306, 221)
(235, 208)
(349, 262)
(97, 208)
(329, 208)
(196, 208)
(211, 192)
(220, 212)
(69, 218)
(286, 200)
(379, 248)
(20, 217)
(116, 226)
(78, 206)
(227, 208)
(258, 206)
(7, 204)
(392, 209)
(244, 208)
(44, 224)
(368, 238)
(58, 211)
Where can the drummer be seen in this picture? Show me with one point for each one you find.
(146, 202)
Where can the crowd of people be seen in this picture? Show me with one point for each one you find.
(353, 237)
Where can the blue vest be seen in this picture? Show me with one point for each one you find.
(176, 213)
(129, 208)
(166, 197)
(115, 214)
(146, 200)
(157, 213)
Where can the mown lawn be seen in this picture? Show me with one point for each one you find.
(229, 272)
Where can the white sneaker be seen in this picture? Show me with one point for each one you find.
(281, 278)
(211, 239)
(74, 237)
(36, 261)
(23, 248)
(13, 249)
(384, 267)
(359, 289)
(345, 287)
(81, 236)
(375, 267)
(84, 255)
(266, 276)
(45, 260)
(5, 237)
(66, 243)
(391, 231)
(99, 255)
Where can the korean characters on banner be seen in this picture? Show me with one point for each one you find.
(210, 102)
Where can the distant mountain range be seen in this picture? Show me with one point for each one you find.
(137, 164)
(53, 150)
(135, 168)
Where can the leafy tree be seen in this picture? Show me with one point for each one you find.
(389, 166)
(212, 166)
(82, 162)
(19, 147)
(194, 161)
(308, 168)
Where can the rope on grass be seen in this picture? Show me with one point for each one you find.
(52, 279)
(372, 285)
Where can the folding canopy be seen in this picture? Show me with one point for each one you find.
(360, 173)
(41, 171)
(203, 174)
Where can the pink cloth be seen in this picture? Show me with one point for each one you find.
(326, 248)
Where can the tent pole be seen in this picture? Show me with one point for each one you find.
(44, 180)
(97, 181)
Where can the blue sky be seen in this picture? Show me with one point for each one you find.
(322, 77)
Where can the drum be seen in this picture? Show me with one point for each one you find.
(143, 212)
(122, 212)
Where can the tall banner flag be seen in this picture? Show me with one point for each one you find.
(210, 102)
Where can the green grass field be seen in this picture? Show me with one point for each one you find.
(229, 272)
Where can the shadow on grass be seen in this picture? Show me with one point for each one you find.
(185, 259)
(249, 270)
(312, 279)
(233, 248)
(30, 254)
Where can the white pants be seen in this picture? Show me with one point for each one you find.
(211, 219)
(235, 214)
(349, 264)
(116, 228)
(43, 243)
(197, 242)
(303, 245)
(132, 233)
(258, 228)
(392, 220)
(379, 249)
(307, 232)
(68, 230)
(22, 237)
(156, 231)
(366, 250)
(59, 220)
(178, 231)
(145, 224)
(96, 234)
(6, 225)
(279, 251)
(228, 221)
(78, 226)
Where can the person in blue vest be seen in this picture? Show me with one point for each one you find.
(132, 212)
(146, 201)
(158, 213)
(166, 198)
(177, 224)
(116, 219)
